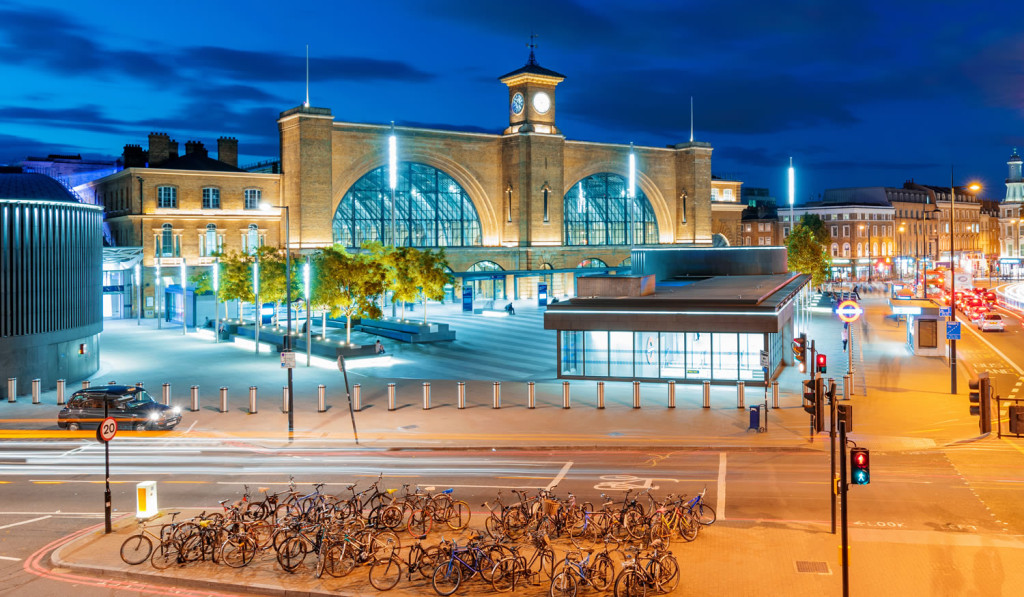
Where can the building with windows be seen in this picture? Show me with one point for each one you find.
(182, 209)
(860, 226)
(51, 258)
(727, 210)
(1011, 217)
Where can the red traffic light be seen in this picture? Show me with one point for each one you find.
(860, 458)
(821, 362)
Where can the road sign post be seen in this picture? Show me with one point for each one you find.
(106, 432)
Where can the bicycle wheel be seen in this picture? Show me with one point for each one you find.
(385, 574)
(503, 575)
(384, 545)
(668, 574)
(136, 549)
(630, 584)
(635, 523)
(391, 517)
(286, 512)
(447, 577)
(542, 567)
(291, 555)
(601, 573)
(689, 526)
(238, 551)
(339, 559)
(421, 521)
(165, 555)
(660, 530)
(563, 584)
(458, 515)
(426, 561)
(707, 514)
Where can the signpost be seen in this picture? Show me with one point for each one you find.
(104, 433)
(351, 412)
(952, 330)
(945, 311)
(288, 359)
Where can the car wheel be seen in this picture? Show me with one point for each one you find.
(74, 427)
(140, 427)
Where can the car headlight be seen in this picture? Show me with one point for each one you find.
(154, 416)
(176, 410)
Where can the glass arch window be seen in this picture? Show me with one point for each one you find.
(592, 262)
(431, 210)
(598, 212)
(166, 241)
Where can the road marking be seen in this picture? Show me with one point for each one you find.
(14, 524)
(997, 351)
(720, 502)
(190, 427)
(10, 559)
(560, 476)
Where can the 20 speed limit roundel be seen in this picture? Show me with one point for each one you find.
(107, 430)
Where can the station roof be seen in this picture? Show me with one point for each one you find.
(20, 185)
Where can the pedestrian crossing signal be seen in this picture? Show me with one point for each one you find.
(822, 362)
(860, 466)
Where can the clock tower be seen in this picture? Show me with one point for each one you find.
(531, 98)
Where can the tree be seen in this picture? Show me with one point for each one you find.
(272, 277)
(348, 284)
(431, 275)
(806, 248)
(236, 279)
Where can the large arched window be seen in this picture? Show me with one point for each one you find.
(432, 210)
(592, 262)
(598, 212)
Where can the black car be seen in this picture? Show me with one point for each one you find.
(130, 406)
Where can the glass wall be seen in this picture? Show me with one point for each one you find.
(694, 356)
(598, 212)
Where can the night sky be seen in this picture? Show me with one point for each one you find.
(859, 93)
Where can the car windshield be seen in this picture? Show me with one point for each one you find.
(134, 399)
(993, 317)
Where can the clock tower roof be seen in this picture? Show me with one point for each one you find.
(532, 70)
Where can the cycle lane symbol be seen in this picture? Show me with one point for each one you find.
(628, 482)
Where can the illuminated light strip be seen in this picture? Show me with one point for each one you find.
(392, 160)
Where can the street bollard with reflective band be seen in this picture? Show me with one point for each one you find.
(284, 399)
(252, 400)
(167, 394)
(391, 396)
(853, 390)
(600, 394)
(846, 387)
(357, 397)
(61, 385)
(426, 395)
(497, 395)
(531, 395)
(12, 389)
(321, 398)
(775, 393)
(741, 388)
(462, 394)
(707, 394)
(565, 394)
(636, 394)
(35, 390)
(85, 384)
(223, 399)
(195, 398)
(671, 393)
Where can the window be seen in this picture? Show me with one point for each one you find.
(252, 239)
(846, 249)
(167, 197)
(210, 242)
(714, 194)
(166, 242)
(211, 198)
(727, 195)
(835, 231)
(253, 198)
(846, 230)
(746, 228)
(835, 250)
(598, 212)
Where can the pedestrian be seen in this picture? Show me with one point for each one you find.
(846, 335)
(510, 309)
(378, 348)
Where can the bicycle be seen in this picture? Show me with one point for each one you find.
(470, 560)
(660, 573)
(674, 517)
(540, 564)
(137, 548)
(386, 572)
(575, 570)
(706, 514)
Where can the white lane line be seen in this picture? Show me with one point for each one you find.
(14, 524)
(10, 559)
(191, 426)
(720, 501)
(997, 351)
(560, 475)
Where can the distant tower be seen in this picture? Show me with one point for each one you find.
(1014, 184)
(531, 97)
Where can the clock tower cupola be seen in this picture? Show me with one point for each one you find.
(531, 98)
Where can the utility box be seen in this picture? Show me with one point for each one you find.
(145, 500)
(1016, 419)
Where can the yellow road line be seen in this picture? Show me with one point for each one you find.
(1015, 446)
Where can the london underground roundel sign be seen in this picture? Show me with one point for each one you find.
(849, 311)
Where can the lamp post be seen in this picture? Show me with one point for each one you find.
(258, 319)
(899, 249)
(157, 298)
(393, 182)
(184, 303)
(288, 300)
(952, 267)
(309, 327)
(138, 293)
(216, 301)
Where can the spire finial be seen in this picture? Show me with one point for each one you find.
(533, 46)
(691, 119)
(307, 76)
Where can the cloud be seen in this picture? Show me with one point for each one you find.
(13, 148)
(443, 126)
(86, 118)
(243, 65)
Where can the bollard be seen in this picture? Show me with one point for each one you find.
(60, 391)
(775, 394)
(35, 390)
(531, 396)
(85, 384)
(391, 396)
(707, 394)
(12, 389)
(636, 394)
(284, 399)
(357, 397)
(497, 395)
(853, 390)
(846, 387)
(462, 394)
(252, 400)
(195, 398)
(671, 393)
(600, 394)
(565, 394)
(167, 394)
(321, 398)
(223, 399)
(741, 390)
(426, 395)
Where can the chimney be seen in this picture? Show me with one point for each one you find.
(134, 156)
(172, 149)
(227, 151)
(195, 147)
(159, 149)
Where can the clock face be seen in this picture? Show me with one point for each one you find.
(541, 102)
(517, 103)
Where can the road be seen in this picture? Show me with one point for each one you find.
(963, 491)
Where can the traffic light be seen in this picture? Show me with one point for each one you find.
(809, 396)
(844, 412)
(822, 362)
(975, 395)
(800, 352)
(980, 396)
(860, 466)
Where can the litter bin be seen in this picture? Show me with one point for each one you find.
(755, 418)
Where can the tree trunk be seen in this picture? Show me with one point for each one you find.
(348, 329)
(403, 310)
(323, 324)
(424, 308)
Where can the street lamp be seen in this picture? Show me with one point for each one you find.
(288, 300)
(952, 268)
(899, 249)
(309, 327)
(216, 300)
(393, 182)
(184, 303)
(871, 266)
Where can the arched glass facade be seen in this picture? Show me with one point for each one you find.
(432, 210)
(598, 212)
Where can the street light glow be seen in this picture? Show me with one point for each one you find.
(632, 172)
(305, 279)
(392, 159)
(792, 182)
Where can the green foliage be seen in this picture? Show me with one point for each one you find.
(202, 281)
(236, 277)
(272, 276)
(348, 284)
(806, 248)
(431, 275)
(817, 226)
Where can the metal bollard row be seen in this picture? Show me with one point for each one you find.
(636, 394)
(391, 396)
(35, 390)
(223, 399)
(600, 394)
(284, 399)
(707, 394)
(61, 385)
(426, 395)
(565, 394)
(167, 394)
(775, 394)
(497, 395)
(12, 389)
(195, 398)
(740, 393)
(847, 386)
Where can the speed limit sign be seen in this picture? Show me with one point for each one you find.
(107, 430)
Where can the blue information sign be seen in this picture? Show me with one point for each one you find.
(542, 294)
(952, 330)
(945, 311)
(467, 298)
